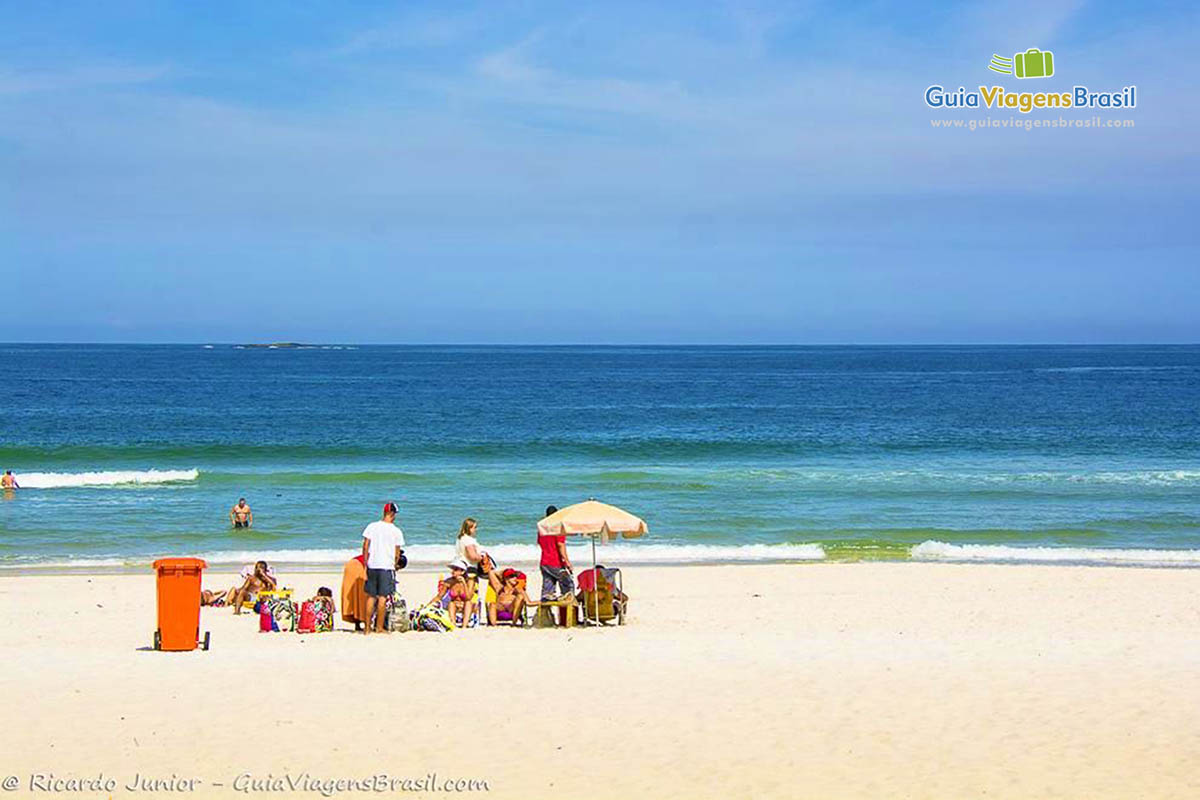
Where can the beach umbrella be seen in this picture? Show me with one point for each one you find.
(599, 522)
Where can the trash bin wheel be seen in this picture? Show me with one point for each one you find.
(158, 640)
(207, 640)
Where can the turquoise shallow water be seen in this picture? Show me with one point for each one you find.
(994, 453)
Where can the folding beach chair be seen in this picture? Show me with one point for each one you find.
(601, 603)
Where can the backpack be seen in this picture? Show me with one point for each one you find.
(398, 619)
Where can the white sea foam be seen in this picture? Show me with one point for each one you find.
(60, 480)
(943, 478)
(437, 555)
(943, 551)
(1128, 368)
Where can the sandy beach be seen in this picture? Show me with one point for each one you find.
(811, 680)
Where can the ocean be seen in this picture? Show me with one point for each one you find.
(1075, 454)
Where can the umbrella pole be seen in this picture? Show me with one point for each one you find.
(595, 585)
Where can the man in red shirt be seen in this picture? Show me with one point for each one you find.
(556, 566)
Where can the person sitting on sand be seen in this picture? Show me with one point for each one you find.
(215, 599)
(9, 482)
(456, 593)
(587, 583)
(240, 516)
(479, 563)
(255, 579)
(323, 609)
(510, 601)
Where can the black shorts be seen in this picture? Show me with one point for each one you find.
(381, 582)
(241, 523)
(477, 570)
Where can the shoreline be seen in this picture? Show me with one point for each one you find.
(531, 567)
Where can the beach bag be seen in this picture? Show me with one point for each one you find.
(434, 618)
(283, 611)
(266, 623)
(398, 620)
(308, 618)
(323, 614)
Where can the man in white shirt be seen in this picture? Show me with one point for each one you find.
(382, 541)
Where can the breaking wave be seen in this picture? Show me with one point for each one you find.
(943, 551)
(437, 555)
(60, 480)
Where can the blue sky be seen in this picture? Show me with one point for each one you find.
(608, 172)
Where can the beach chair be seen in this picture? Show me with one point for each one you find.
(602, 604)
(266, 595)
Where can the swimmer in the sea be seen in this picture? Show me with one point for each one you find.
(240, 516)
(9, 481)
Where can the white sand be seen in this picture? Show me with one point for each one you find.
(814, 680)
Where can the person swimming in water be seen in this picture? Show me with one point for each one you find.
(9, 481)
(240, 516)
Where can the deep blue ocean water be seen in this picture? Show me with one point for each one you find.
(1000, 453)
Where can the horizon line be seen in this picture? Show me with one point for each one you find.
(293, 344)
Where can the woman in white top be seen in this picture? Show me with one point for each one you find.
(468, 550)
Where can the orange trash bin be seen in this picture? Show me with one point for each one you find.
(178, 589)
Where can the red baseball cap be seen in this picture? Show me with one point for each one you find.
(390, 507)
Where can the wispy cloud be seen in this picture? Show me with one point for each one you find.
(1016, 24)
(695, 125)
(509, 74)
(30, 81)
(710, 153)
(410, 30)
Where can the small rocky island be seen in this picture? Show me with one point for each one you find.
(278, 345)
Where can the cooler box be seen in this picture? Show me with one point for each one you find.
(178, 591)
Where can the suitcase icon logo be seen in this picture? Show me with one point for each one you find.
(1033, 63)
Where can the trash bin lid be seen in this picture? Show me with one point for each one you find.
(180, 563)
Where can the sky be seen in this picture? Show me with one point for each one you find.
(610, 172)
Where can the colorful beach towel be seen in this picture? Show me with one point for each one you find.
(434, 618)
